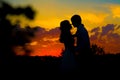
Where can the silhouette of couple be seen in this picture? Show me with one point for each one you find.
(82, 47)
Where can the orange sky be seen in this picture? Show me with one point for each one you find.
(101, 15)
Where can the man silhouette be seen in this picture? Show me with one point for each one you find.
(83, 43)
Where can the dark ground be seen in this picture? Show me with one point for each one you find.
(49, 63)
(90, 67)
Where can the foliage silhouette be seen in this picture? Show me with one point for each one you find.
(14, 35)
(96, 50)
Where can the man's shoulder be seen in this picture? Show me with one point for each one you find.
(81, 28)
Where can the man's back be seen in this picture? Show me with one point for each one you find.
(83, 42)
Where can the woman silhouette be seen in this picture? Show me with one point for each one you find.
(68, 60)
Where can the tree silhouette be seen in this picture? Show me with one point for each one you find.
(14, 35)
(96, 50)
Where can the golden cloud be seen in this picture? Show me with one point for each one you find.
(115, 9)
(34, 43)
(94, 17)
(50, 39)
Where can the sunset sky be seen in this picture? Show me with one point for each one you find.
(100, 17)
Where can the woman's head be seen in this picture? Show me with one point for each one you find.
(65, 25)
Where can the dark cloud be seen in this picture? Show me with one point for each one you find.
(96, 33)
(95, 30)
(118, 27)
(106, 29)
(54, 32)
(106, 37)
(47, 42)
(48, 38)
(42, 33)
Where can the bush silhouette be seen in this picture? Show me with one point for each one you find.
(96, 50)
(14, 35)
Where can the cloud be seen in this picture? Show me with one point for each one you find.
(33, 43)
(107, 37)
(51, 39)
(94, 17)
(106, 29)
(47, 42)
(54, 32)
(115, 9)
(96, 32)
(44, 35)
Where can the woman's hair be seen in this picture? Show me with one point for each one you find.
(66, 36)
(65, 25)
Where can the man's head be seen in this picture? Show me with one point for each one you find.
(76, 20)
